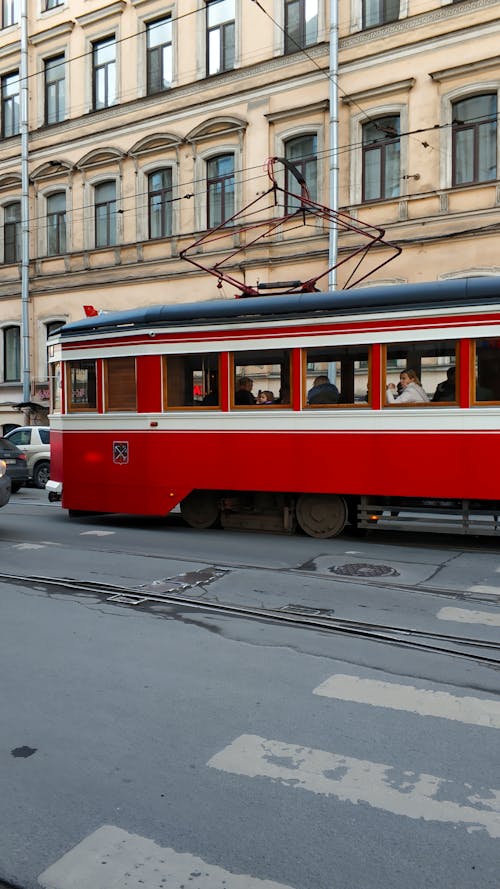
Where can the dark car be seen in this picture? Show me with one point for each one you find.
(5, 484)
(17, 465)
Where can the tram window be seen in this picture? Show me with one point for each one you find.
(487, 371)
(192, 381)
(256, 373)
(82, 385)
(434, 366)
(55, 386)
(337, 375)
(120, 384)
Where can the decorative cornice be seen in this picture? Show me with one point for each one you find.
(298, 112)
(10, 49)
(52, 33)
(480, 65)
(450, 11)
(376, 91)
(98, 15)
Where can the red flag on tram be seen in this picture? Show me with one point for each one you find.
(90, 311)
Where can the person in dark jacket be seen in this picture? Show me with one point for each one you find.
(445, 391)
(243, 394)
(323, 392)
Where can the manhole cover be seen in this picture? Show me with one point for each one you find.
(364, 570)
(306, 609)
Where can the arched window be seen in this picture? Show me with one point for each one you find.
(12, 232)
(160, 203)
(474, 139)
(381, 159)
(105, 214)
(220, 189)
(302, 152)
(12, 353)
(56, 223)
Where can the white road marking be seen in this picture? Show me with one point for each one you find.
(360, 781)
(111, 858)
(485, 590)
(96, 533)
(472, 711)
(28, 546)
(462, 615)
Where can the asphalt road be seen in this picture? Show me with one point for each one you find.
(170, 746)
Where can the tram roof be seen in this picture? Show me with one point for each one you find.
(433, 294)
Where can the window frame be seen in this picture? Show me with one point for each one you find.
(291, 45)
(61, 230)
(381, 147)
(6, 330)
(360, 405)
(8, 101)
(60, 93)
(225, 48)
(474, 126)
(233, 363)
(110, 69)
(165, 203)
(416, 344)
(108, 215)
(383, 18)
(151, 51)
(17, 249)
(74, 406)
(11, 13)
(166, 405)
(221, 179)
(301, 164)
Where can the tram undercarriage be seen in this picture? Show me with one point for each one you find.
(326, 515)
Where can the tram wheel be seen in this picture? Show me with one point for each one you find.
(200, 509)
(321, 515)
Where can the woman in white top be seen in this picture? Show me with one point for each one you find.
(412, 391)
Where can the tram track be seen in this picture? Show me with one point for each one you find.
(483, 651)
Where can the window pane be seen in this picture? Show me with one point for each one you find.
(464, 156)
(256, 373)
(192, 381)
(372, 175)
(487, 376)
(12, 354)
(419, 373)
(82, 385)
(338, 375)
(214, 59)
(487, 160)
(311, 23)
(220, 11)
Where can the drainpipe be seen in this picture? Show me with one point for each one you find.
(334, 140)
(25, 231)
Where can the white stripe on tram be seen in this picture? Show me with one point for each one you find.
(472, 711)
(462, 615)
(111, 858)
(381, 786)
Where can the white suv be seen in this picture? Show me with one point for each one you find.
(34, 441)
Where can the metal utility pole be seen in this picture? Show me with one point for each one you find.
(334, 140)
(25, 206)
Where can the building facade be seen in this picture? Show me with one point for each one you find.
(149, 123)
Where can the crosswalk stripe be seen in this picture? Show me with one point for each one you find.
(111, 858)
(360, 781)
(469, 710)
(462, 615)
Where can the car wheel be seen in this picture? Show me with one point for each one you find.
(41, 474)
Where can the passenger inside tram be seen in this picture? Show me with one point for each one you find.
(323, 391)
(265, 396)
(445, 391)
(412, 390)
(243, 394)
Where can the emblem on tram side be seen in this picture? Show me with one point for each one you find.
(120, 452)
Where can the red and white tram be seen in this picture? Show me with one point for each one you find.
(147, 411)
